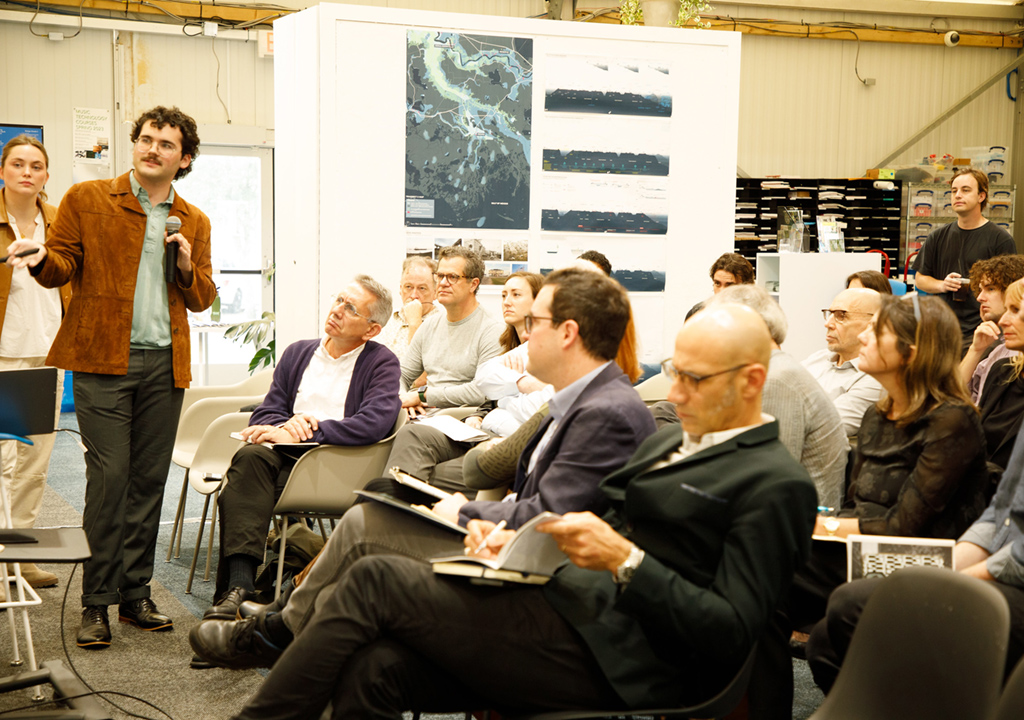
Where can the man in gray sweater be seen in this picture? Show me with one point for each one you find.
(450, 347)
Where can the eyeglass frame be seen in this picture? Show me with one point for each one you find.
(348, 308)
(829, 311)
(145, 143)
(449, 278)
(529, 318)
(674, 374)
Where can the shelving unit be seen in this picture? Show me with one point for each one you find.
(804, 284)
(928, 207)
(871, 216)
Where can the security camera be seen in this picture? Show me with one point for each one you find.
(952, 38)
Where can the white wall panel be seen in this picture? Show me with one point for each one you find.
(183, 71)
(43, 80)
(804, 112)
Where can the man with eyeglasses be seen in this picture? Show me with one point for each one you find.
(418, 292)
(835, 369)
(661, 599)
(596, 422)
(450, 346)
(338, 390)
(126, 337)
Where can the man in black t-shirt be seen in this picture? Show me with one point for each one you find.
(952, 249)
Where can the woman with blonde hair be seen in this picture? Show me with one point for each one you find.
(920, 467)
(1002, 397)
(29, 317)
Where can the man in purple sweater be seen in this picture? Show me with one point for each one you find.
(340, 390)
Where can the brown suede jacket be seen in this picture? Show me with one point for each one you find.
(96, 243)
(6, 273)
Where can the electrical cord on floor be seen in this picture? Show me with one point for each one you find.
(63, 641)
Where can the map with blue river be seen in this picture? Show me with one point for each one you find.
(469, 105)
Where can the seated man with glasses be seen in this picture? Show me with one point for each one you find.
(596, 422)
(835, 369)
(338, 390)
(659, 604)
(418, 292)
(450, 346)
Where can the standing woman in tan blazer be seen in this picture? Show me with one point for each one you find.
(29, 317)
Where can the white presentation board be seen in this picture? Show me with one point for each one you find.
(530, 140)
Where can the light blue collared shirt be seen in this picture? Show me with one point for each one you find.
(151, 317)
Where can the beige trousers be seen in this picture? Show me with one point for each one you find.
(24, 467)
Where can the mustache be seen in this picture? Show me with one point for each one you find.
(153, 158)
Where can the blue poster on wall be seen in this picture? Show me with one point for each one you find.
(9, 131)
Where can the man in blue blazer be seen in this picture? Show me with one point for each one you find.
(660, 603)
(596, 422)
(339, 390)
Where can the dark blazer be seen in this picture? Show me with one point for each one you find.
(1002, 407)
(371, 406)
(723, 530)
(597, 436)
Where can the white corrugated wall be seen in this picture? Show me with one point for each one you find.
(803, 111)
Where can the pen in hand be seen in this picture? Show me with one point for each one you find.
(23, 253)
(483, 543)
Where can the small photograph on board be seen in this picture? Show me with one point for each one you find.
(583, 84)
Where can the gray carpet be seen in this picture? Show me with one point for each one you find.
(154, 666)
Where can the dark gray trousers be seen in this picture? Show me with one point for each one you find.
(429, 455)
(393, 636)
(128, 422)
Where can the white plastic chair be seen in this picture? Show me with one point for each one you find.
(654, 389)
(191, 426)
(321, 485)
(206, 474)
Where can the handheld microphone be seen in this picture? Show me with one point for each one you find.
(171, 249)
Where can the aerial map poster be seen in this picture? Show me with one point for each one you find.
(468, 124)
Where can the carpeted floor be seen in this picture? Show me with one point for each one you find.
(154, 666)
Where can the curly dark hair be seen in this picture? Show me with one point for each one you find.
(1001, 271)
(174, 117)
(736, 264)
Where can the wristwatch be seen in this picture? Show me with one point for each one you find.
(624, 572)
(422, 392)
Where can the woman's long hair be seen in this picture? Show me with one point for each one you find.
(931, 375)
(1012, 300)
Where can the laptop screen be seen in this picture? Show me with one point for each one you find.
(28, 401)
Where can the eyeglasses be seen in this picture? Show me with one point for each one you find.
(674, 374)
(407, 288)
(349, 309)
(528, 321)
(841, 316)
(163, 147)
(450, 278)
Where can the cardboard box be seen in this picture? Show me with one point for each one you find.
(880, 174)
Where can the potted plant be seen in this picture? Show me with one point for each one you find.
(666, 13)
(255, 332)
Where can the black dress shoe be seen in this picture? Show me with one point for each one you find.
(95, 631)
(226, 606)
(143, 612)
(236, 644)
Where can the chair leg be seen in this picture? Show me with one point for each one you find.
(280, 557)
(213, 534)
(199, 544)
(323, 532)
(179, 520)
